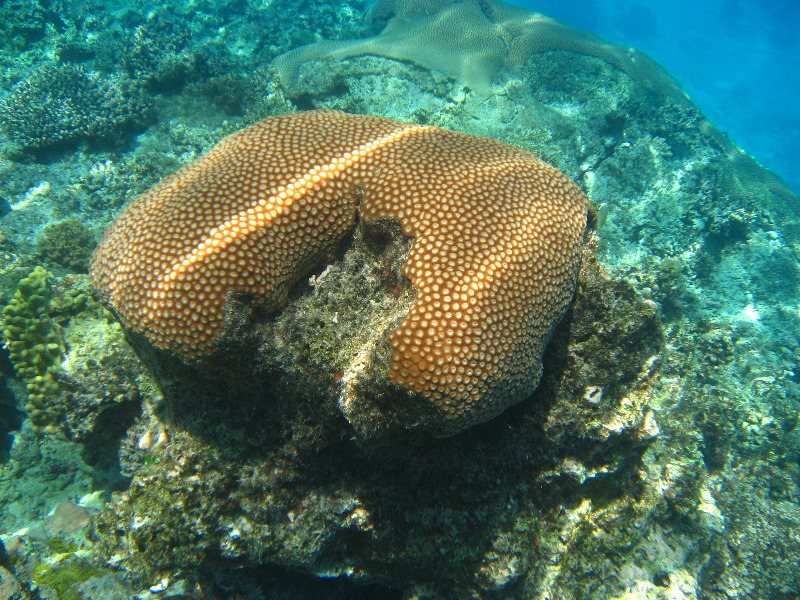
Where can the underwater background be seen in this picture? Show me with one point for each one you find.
(658, 458)
(735, 59)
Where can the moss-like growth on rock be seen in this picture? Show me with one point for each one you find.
(68, 244)
(34, 341)
(63, 578)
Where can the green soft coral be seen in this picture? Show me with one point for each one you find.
(34, 341)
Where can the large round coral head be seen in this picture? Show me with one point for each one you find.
(494, 262)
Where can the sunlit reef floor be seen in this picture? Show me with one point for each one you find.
(699, 229)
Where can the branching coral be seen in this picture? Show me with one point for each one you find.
(62, 103)
(68, 243)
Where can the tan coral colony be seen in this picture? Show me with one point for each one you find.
(497, 244)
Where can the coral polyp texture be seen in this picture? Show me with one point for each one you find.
(497, 244)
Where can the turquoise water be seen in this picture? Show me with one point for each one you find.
(736, 59)
(213, 407)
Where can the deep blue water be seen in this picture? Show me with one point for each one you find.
(738, 59)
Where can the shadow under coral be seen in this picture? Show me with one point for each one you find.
(261, 466)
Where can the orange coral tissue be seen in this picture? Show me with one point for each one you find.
(497, 245)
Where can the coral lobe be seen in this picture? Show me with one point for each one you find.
(497, 240)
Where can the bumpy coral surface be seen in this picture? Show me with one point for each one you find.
(497, 233)
(34, 341)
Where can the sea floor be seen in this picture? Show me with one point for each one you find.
(704, 503)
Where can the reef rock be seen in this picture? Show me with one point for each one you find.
(290, 441)
(258, 469)
(477, 43)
